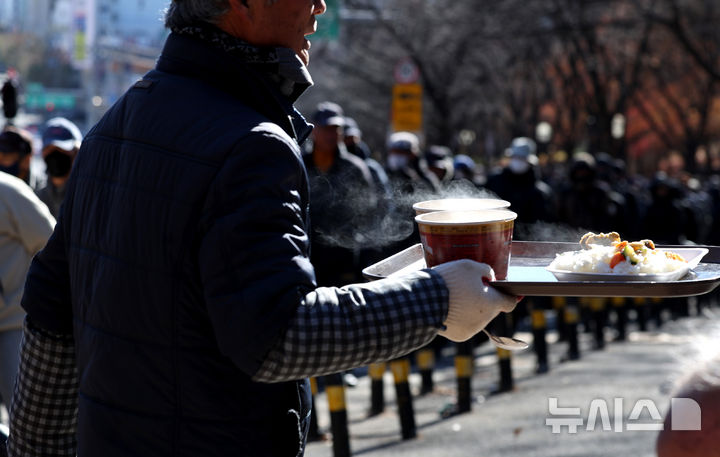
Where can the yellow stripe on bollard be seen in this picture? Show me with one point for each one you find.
(463, 366)
(503, 353)
(335, 398)
(639, 300)
(618, 301)
(559, 302)
(537, 318)
(313, 386)
(656, 300)
(571, 315)
(425, 359)
(597, 303)
(377, 370)
(400, 369)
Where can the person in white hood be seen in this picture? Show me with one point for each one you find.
(25, 226)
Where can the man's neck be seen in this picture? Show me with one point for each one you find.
(324, 158)
(58, 182)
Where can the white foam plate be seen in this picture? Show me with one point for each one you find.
(692, 255)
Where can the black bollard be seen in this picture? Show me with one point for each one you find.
(505, 365)
(620, 318)
(401, 371)
(425, 359)
(539, 329)
(656, 310)
(463, 371)
(313, 429)
(641, 306)
(335, 391)
(597, 309)
(558, 304)
(502, 326)
(377, 388)
(586, 316)
(571, 322)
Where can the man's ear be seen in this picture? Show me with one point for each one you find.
(239, 6)
(236, 18)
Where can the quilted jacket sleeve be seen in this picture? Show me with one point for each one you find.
(47, 297)
(254, 252)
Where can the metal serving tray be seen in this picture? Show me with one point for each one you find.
(527, 274)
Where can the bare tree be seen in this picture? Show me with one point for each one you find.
(501, 68)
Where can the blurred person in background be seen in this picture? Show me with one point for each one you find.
(633, 189)
(712, 187)
(407, 169)
(9, 94)
(695, 198)
(465, 169)
(16, 153)
(520, 184)
(342, 194)
(60, 143)
(668, 219)
(440, 162)
(25, 226)
(411, 182)
(352, 136)
(175, 309)
(374, 247)
(586, 203)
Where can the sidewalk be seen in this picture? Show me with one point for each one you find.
(645, 367)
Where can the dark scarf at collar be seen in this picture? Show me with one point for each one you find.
(280, 64)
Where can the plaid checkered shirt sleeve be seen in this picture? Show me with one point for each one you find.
(43, 415)
(341, 328)
(334, 329)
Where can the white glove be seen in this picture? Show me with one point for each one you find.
(473, 302)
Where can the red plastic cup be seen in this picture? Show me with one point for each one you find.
(459, 204)
(484, 236)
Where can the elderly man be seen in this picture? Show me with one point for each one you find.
(342, 197)
(177, 284)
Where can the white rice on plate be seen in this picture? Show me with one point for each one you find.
(597, 260)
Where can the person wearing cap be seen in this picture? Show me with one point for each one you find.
(465, 169)
(175, 309)
(16, 152)
(352, 136)
(440, 162)
(375, 247)
(520, 184)
(25, 226)
(60, 142)
(341, 197)
(410, 182)
(407, 169)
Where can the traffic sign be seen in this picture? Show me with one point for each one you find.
(407, 107)
(406, 72)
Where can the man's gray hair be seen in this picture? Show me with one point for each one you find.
(182, 13)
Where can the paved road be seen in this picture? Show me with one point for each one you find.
(647, 366)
